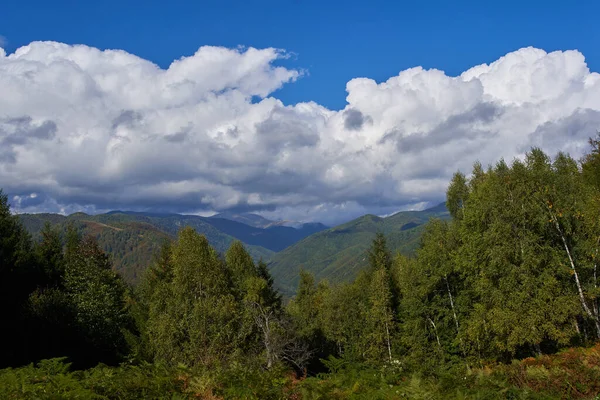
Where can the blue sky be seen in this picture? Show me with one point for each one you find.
(335, 41)
(345, 125)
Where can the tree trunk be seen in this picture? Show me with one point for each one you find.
(269, 359)
(576, 275)
(538, 349)
(389, 345)
(451, 303)
(595, 304)
(435, 331)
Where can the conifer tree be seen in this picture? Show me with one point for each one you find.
(19, 276)
(97, 295)
(50, 256)
(457, 195)
(379, 255)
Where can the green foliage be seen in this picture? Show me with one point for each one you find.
(573, 374)
(591, 163)
(58, 303)
(342, 319)
(340, 253)
(192, 314)
(457, 195)
(354, 320)
(131, 240)
(97, 295)
(51, 379)
(379, 319)
(511, 276)
(198, 309)
(379, 255)
(19, 274)
(306, 307)
(50, 255)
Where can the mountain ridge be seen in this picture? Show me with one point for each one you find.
(339, 253)
(133, 238)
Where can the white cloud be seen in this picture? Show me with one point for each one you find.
(96, 130)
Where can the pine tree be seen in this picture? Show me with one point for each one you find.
(379, 255)
(19, 277)
(457, 195)
(50, 255)
(590, 163)
(97, 295)
(150, 298)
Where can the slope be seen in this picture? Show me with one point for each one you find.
(250, 219)
(132, 239)
(274, 238)
(339, 253)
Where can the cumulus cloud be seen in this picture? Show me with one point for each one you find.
(85, 129)
(354, 119)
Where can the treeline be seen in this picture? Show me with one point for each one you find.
(512, 275)
(193, 306)
(59, 297)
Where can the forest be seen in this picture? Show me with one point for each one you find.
(499, 302)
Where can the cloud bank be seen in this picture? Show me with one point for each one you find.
(85, 129)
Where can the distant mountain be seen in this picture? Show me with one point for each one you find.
(273, 238)
(132, 239)
(339, 253)
(258, 221)
(253, 220)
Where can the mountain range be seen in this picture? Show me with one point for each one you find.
(337, 254)
(255, 220)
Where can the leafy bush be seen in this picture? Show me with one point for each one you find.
(51, 379)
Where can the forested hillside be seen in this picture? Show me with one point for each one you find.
(338, 254)
(251, 219)
(131, 239)
(500, 300)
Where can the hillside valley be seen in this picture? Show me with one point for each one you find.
(337, 254)
(132, 239)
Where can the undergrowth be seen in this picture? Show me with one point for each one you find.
(571, 374)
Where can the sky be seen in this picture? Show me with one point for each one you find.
(305, 110)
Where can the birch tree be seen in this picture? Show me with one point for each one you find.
(517, 293)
